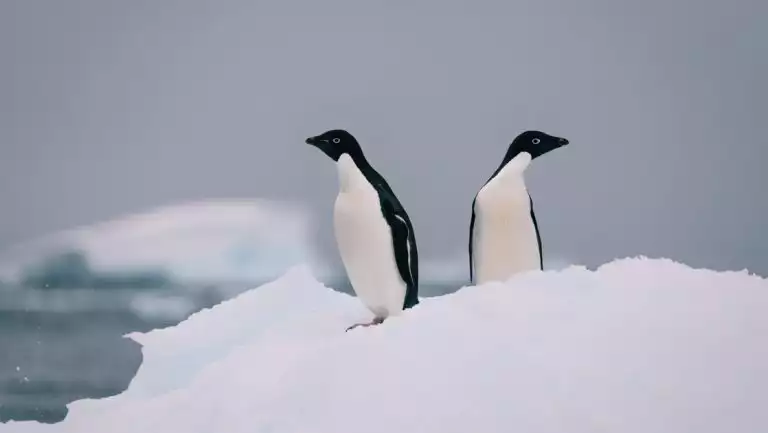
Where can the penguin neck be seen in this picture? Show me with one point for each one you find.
(351, 175)
(514, 168)
(520, 162)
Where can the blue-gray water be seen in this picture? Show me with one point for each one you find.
(62, 345)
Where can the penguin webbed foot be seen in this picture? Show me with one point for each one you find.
(375, 321)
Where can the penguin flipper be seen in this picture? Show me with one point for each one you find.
(471, 238)
(538, 235)
(405, 252)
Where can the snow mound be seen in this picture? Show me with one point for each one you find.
(208, 240)
(637, 345)
(453, 267)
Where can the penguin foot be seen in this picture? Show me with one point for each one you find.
(375, 321)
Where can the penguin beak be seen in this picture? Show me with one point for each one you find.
(311, 140)
(562, 141)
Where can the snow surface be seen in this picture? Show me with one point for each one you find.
(213, 240)
(637, 345)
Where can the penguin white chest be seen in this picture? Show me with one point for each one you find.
(364, 240)
(504, 239)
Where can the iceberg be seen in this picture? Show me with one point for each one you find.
(637, 345)
(212, 240)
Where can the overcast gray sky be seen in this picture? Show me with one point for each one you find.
(109, 107)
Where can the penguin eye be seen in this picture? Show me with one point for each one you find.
(535, 141)
(336, 140)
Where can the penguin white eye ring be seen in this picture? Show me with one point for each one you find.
(535, 141)
(337, 140)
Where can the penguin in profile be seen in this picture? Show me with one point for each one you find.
(504, 238)
(373, 232)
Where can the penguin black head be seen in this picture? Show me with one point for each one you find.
(536, 143)
(335, 143)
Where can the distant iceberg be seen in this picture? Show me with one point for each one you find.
(214, 240)
(71, 270)
(636, 346)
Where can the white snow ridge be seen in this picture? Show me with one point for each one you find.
(637, 346)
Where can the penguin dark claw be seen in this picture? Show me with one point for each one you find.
(374, 322)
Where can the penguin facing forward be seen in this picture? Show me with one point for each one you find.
(504, 238)
(373, 232)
